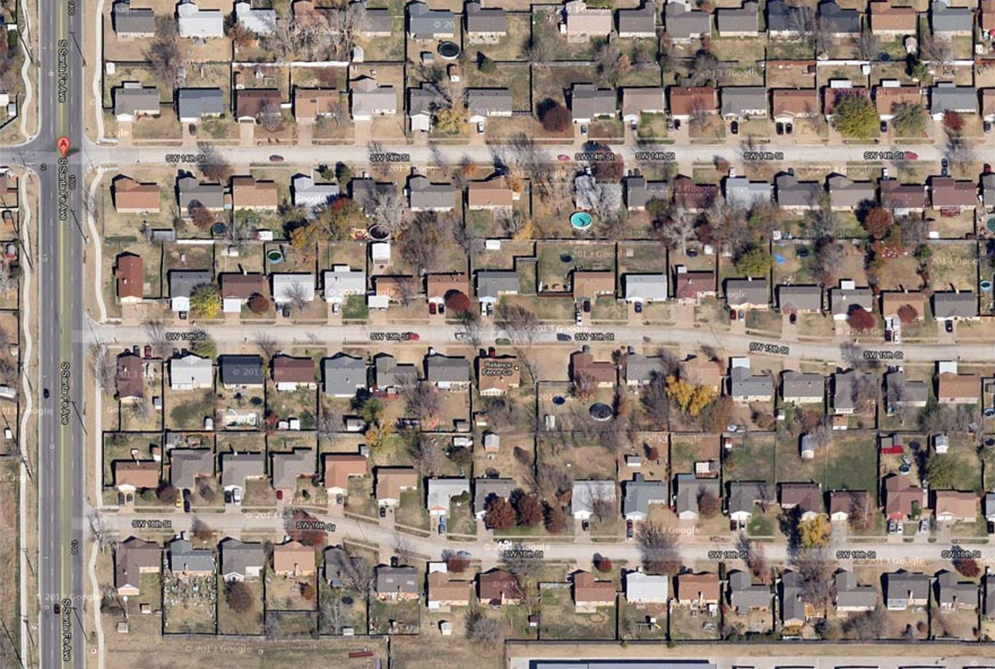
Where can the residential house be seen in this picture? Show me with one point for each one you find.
(744, 496)
(237, 468)
(484, 25)
(845, 194)
(598, 373)
(836, 92)
(497, 375)
(391, 482)
(803, 388)
(738, 21)
(944, 97)
(588, 102)
(590, 593)
(638, 22)
(196, 23)
(743, 193)
(132, 22)
(844, 503)
(748, 293)
(311, 104)
(242, 561)
(786, 21)
(591, 284)
(390, 374)
(837, 21)
(744, 386)
(743, 102)
(486, 490)
(483, 103)
(338, 468)
(642, 588)
(950, 195)
(684, 24)
(129, 276)
(952, 593)
(903, 199)
(640, 370)
(257, 104)
(397, 583)
(289, 288)
(845, 391)
(497, 588)
(293, 559)
(698, 590)
(490, 195)
(444, 593)
(690, 490)
(639, 192)
(794, 610)
(955, 306)
(948, 22)
(847, 297)
(132, 100)
(258, 21)
(369, 99)
(691, 196)
(799, 299)
(240, 371)
(422, 105)
(185, 560)
(893, 301)
(425, 23)
(132, 197)
(900, 391)
(587, 495)
(195, 104)
(802, 499)
(190, 372)
(789, 105)
(890, 21)
(954, 388)
(236, 289)
(132, 558)
(645, 288)
(248, 193)
(192, 194)
(639, 101)
(640, 495)
(447, 373)
(131, 476)
(426, 196)
(905, 590)
(288, 467)
(851, 597)
(692, 286)
(685, 101)
(955, 506)
(901, 497)
(889, 99)
(343, 375)
(492, 284)
(182, 284)
(307, 192)
(794, 195)
(341, 282)
(745, 596)
(580, 23)
(130, 377)
(703, 371)
(291, 373)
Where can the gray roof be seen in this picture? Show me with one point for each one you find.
(690, 489)
(130, 20)
(743, 495)
(492, 283)
(344, 374)
(184, 557)
(741, 192)
(738, 19)
(640, 368)
(639, 494)
(747, 291)
(944, 18)
(989, 585)
(844, 384)
(684, 24)
(843, 300)
(426, 195)
(480, 20)
(899, 585)
(210, 195)
(484, 489)
(588, 101)
(784, 18)
(804, 385)
(645, 286)
(742, 100)
(638, 20)
(134, 100)
(799, 298)
(790, 590)
(241, 370)
(378, 19)
(446, 369)
(424, 100)
(424, 22)
(799, 194)
(944, 97)
(288, 467)
(391, 374)
(638, 191)
(369, 97)
(183, 281)
(362, 190)
(309, 193)
(952, 591)
(955, 305)
(397, 580)
(743, 383)
(236, 467)
(850, 594)
(185, 464)
(489, 101)
(197, 102)
(847, 194)
(238, 556)
(836, 20)
(915, 392)
(744, 595)
(988, 189)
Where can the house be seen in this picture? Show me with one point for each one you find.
(197, 23)
(848, 297)
(486, 490)
(893, 301)
(289, 288)
(286, 468)
(242, 561)
(703, 371)
(903, 199)
(889, 99)
(497, 375)
(953, 593)
(261, 22)
(341, 282)
(748, 293)
(240, 371)
(422, 105)
(248, 193)
(845, 391)
(190, 372)
(955, 306)
(579, 23)
(738, 21)
(591, 284)
(640, 495)
(484, 26)
(802, 388)
(638, 22)
(743, 102)
(293, 559)
(308, 193)
(684, 24)
(845, 194)
(426, 196)
(851, 597)
(988, 189)
(691, 196)
(447, 373)
(788, 105)
(953, 506)
(954, 388)
(686, 101)
(640, 370)
(236, 289)
(989, 507)
(185, 560)
(236, 468)
(641, 588)
(490, 195)
(698, 590)
(692, 286)
(132, 558)
(132, 100)
(744, 496)
(944, 97)
(130, 377)
(291, 373)
(901, 497)
(483, 103)
(794, 611)
(444, 593)
(338, 468)
(132, 22)
(744, 596)
(588, 102)
(690, 490)
(744, 386)
(743, 193)
(588, 193)
(890, 21)
(497, 588)
(369, 99)
(375, 21)
(837, 91)
(491, 284)
(256, 104)
(132, 197)
(590, 593)
(311, 104)
(645, 288)
(799, 299)
(794, 195)
(182, 284)
(392, 481)
(192, 194)
(948, 22)
(194, 104)
(786, 21)
(804, 499)
(843, 503)
(425, 23)
(389, 374)
(988, 582)
(948, 194)
(600, 374)
(987, 20)
(837, 21)
(397, 583)
(587, 495)
(639, 192)
(904, 590)
(131, 476)
(129, 277)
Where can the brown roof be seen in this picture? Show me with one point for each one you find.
(887, 98)
(692, 196)
(959, 386)
(130, 276)
(293, 556)
(390, 481)
(845, 501)
(806, 496)
(690, 285)
(310, 103)
(242, 286)
(394, 286)
(249, 193)
(703, 371)
(947, 192)
(252, 102)
(892, 301)
(287, 369)
(958, 503)
(132, 558)
(902, 196)
(587, 590)
(497, 587)
(795, 101)
(142, 474)
(130, 384)
(498, 373)
(441, 589)
(988, 100)
(589, 284)
(988, 15)
(885, 17)
(831, 95)
(489, 194)
(130, 195)
(692, 587)
(583, 362)
(685, 100)
(338, 467)
(899, 495)
(439, 285)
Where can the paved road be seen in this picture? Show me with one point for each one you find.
(440, 333)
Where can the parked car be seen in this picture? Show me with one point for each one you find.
(339, 499)
(460, 336)
(587, 306)
(563, 157)
(583, 129)
(732, 315)
(276, 159)
(779, 128)
(45, 393)
(413, 336)
(639, 307)
(734, 127)
(279, 495)
(670, 124)
(948, 326)
(987, 126)
(480, 127)
(884, 126)
(57, 609)
(628, 529)
(911, 155)
(383, 511)
(788, 128)
(923, 526)
(563, 336)
(432, 308)
(742, 315)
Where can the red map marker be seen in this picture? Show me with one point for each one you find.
(63, 145)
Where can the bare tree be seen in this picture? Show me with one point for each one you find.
(298, 296)
(519, 323)
(104, 369)
(482, 630)
(355, 571)
(386, 209)
(402, 548)
(815, 567)
(329, 421)
(163, 53)
(936, 50)
(266, 343)
(422, 400)
(214, 165)
(155, 331)
(676, 229)
(867, 44)
(659, 549)
(7, 281)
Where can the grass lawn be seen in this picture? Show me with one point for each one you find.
(752, 459)
(559, 620)
(399, 617)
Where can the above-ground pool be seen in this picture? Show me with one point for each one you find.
(274, 256)
(991, 223)
(448, 50)
(986, 285)
(580, 220)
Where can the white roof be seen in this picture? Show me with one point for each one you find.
(283, 286)
(189, 370)
(646, 286)
(585, 491)
(340, 282)
(640, 587)
(196, 22)
(259, 21)
(380, 251)
(440, 491)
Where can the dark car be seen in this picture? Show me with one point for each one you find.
(788, 128)
(563, 336)
(57, 608)
(628, 529)
(949, 326)
(986, 126)
(45, 393)
(383, 511)
(779, 128)
(639, 307)
(587, 306)
(884, 126)
(734, 127)
(276, 159)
